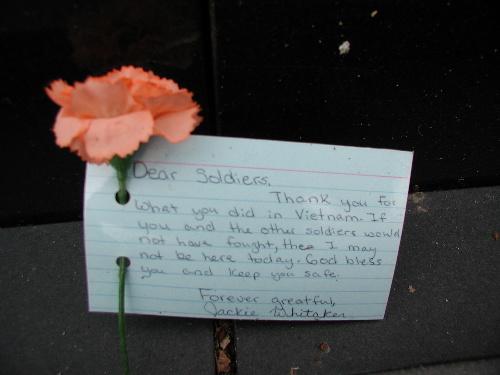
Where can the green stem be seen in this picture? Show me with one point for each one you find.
(122, 195)
(122, 263)
(122, 165)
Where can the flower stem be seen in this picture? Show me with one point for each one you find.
(122, 165)
(122, 194)
(122, 263)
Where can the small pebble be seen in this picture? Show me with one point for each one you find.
(344, 48)
(324, 347)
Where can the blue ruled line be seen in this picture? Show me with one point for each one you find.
(261, 276)
(239, 289)
(215, 263)
(235, 199)
(224, 247)
(271, 221)
(266, 186)
(233, 317)
(225, 302)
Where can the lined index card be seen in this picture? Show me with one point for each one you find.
(248, 229)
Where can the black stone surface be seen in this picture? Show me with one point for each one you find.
(46, 328)
(420, 75)
(449, 256)
(41, 42)
(480, 367)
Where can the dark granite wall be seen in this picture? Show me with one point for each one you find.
(43, 41)
(420, 76)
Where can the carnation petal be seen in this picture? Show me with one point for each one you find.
(78, 146)
(120, 135)
(67, 128)
(167, 84)
(130, 72)
(98, 98)
(177, 126)
(60, 92)
(172, 102)
(143, 90)
(135, 77)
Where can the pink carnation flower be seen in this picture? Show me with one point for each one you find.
(113, 114)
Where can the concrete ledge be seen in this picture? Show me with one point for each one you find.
(46, 328)
(449, 256)
(480, 367)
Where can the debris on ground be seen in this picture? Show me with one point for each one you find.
(418, 199)
(324, 347)
(293, 370)
(374, 13)
(224, 348)
(496, 235)
(345, 47)
(224, 342)
(223, 362)
(411, 289)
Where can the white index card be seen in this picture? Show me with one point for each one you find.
(248, 229)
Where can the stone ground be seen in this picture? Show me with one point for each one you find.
(443, 315)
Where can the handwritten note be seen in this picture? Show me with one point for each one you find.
(248, 229)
